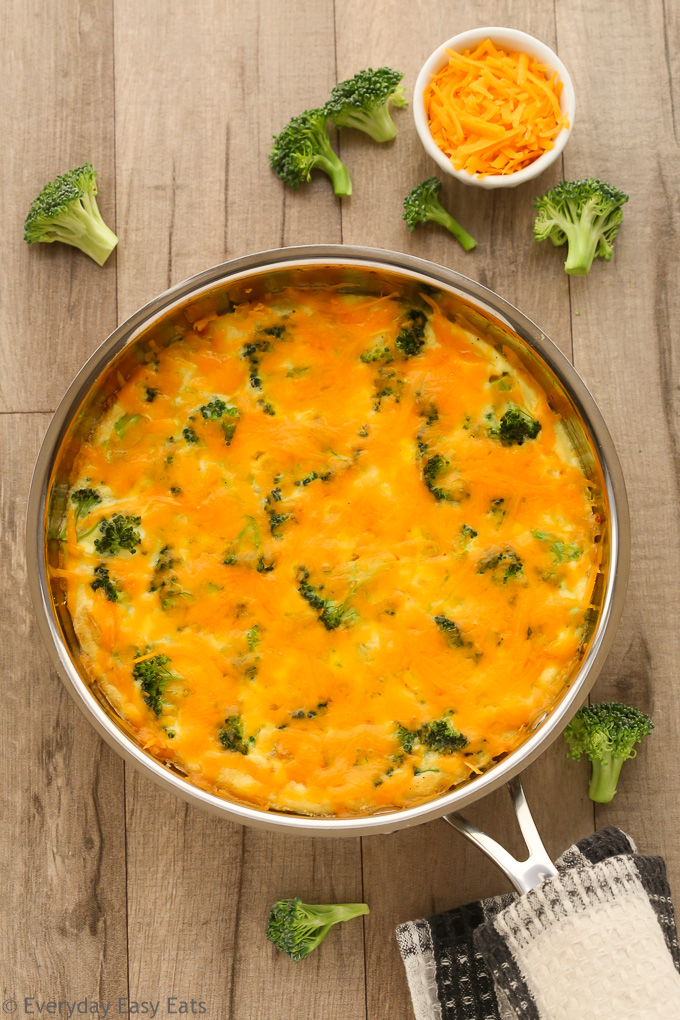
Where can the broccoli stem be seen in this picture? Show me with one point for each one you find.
(581, 250)
(85, 230)
(605, 776)
(378, 124)
(337, 171)
(439, 215)
(583, 238)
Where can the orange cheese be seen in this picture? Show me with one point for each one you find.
(493, 111)
(347, 559)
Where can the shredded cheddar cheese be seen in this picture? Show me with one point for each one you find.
(324, 574)
(494, 111)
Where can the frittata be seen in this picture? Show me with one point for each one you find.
(329, 553)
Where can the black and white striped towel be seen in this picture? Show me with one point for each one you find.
(598, 940)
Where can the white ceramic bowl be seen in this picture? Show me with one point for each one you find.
(511, 39)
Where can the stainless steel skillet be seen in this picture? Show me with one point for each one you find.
(363, 270)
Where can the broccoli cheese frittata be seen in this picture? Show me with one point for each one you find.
(329, 553)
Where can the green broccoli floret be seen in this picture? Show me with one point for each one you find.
(124, 422)
(422, 205)
(227, 415)
(515, 426)
(586, 215)
(118, 533)
(103, 580)
(379, 352)
(407, 738)
(166, 583)
(562, 552)
(153, 676)
(313, 476)
(84, 500)
(451, 630)
(244, 550)
(331, 614)
(507, 559)
(434, 467)
(296, 928)
(231, 735)
(66, 210)
(304, 145)
(412, 336)
(275, 522)
(363, 102)
(441, 735)
(607, 734)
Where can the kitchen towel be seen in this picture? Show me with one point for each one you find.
(598, 940)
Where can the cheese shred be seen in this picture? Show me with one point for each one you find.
(494, 111)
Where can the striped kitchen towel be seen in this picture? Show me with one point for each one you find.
(598, 940)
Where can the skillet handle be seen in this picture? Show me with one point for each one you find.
(524, 875)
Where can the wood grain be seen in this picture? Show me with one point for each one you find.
(56, 83)
(626, 323)
(62, 841)
(113, 887)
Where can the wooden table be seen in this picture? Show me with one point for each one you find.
(110, 887)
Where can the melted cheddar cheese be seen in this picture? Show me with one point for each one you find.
(316, 573)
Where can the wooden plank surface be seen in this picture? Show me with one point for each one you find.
(112, 887)
(62, 839)
(626, 346)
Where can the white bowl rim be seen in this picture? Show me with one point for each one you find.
(502, 36)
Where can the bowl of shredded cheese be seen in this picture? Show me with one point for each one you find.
(494, 107)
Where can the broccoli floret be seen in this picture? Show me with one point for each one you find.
(607, 734)
(422, 205)
(331, 614)
(586, 215)
(296, 928)
(562, 552)
(380, 352)
(228, 416)
(304, 145)
(153, 676)
(363, 102)
(441, 735)
(231, 735)
(253, 352)
(435, 467)
(507, 559)
(275, 522)
(66, 210)
(124, 422)
(406, 738)
(313, 476)
(412, 336)
(166, 583)
(430, 413)
(103, 580)
(151, 394)
(244, 550)
(84, 500)
(515, 426)
(451, 630)
(118, 533)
